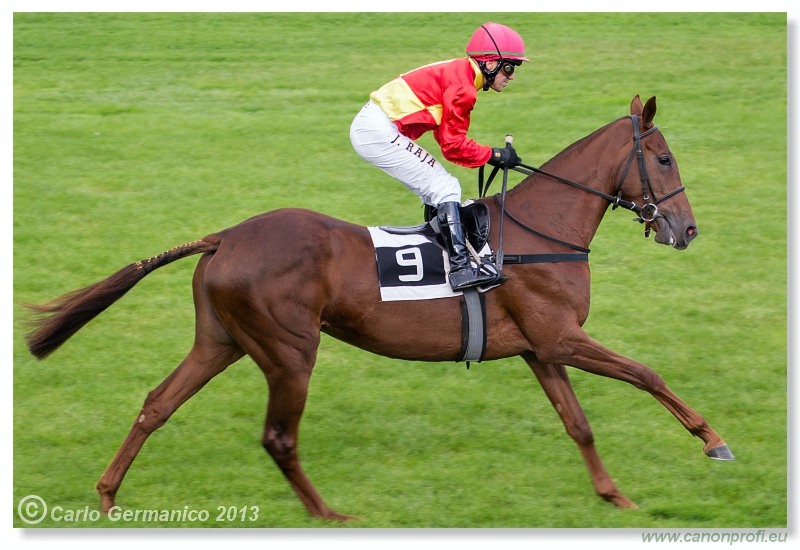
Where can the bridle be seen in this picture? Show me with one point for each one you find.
(647, 213)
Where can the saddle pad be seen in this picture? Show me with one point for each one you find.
(411, 267)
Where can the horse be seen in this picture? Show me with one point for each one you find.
(256, 296)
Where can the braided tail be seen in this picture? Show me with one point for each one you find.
(59, 319)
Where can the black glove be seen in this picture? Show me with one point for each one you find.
(505, 157)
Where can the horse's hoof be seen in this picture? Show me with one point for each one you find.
(720, 453)
(335, 516)
(624, 502)
(106, 504)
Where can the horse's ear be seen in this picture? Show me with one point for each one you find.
(636, 106)
(649, 112)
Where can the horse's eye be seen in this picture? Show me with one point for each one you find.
(664, 160)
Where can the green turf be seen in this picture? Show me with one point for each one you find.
(134, 133)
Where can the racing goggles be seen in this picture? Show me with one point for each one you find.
(508, 67)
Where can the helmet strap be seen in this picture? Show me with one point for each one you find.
(488, 76)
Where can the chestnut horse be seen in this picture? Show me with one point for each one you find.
(269, 286)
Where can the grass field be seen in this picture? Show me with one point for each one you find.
(134, 133)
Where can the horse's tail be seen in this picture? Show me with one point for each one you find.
(66, 315)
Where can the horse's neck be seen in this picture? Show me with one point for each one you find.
(560, 210)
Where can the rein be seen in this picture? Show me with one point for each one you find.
(647, 213)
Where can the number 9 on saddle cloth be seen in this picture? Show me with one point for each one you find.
(413, 261)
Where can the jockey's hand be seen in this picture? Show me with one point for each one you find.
(505, 157)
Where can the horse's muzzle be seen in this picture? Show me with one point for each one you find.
(677, 236)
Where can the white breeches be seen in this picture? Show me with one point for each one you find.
(376, 139)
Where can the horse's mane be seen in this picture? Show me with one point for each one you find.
(580, 143)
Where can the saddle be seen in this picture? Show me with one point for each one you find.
(474, 216)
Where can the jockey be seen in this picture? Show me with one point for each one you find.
(440, 97)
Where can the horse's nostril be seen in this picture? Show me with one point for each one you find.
(691, 232)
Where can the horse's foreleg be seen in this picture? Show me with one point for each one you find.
(186, 380)
(556, 385)
(583, 353)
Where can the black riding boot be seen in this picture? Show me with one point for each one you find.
(462, 274)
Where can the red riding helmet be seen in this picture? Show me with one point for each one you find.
(492, 41)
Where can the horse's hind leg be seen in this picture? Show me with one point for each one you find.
(190, 376)
(212, 353)
(556, 385)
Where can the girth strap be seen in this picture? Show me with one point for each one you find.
(473, 322)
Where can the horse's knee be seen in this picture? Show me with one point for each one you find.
(645, 378)
(580, 431)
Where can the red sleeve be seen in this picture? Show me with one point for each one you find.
(451, 135)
